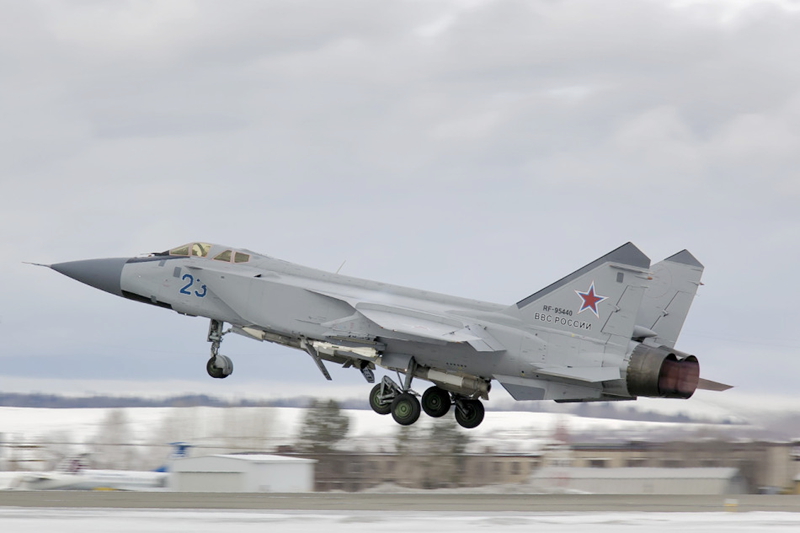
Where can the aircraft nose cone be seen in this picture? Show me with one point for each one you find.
(103, 274)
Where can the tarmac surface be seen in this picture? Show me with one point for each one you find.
(536, 503)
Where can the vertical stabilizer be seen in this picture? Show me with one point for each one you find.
(600, 300)
(667, 300)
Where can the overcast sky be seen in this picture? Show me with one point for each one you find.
(476, 148)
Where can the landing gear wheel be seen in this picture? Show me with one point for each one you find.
(378, 404)
(219, 367)
(469, 413)
(405, 409)
(436, 402)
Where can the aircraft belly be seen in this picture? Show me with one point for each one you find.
(451, 358)
(543, 389)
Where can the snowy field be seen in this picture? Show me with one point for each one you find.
(19, 520)
(268, 427)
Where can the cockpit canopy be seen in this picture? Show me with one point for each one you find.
(232, 256)
(204, 249)
(196, 249)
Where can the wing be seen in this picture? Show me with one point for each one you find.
(429, 326)
(423, 326)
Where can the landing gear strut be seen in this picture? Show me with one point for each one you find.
(389, 397)
(399, 400)
(382, 395)
(218, 366)
(405, 406)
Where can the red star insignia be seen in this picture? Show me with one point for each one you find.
(590, 300)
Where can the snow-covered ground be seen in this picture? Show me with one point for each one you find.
(20, 520)
(280, 425)
(34, 439)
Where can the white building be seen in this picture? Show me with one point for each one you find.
(242, 473)
(639, 480)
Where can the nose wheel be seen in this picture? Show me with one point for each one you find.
(218, 366)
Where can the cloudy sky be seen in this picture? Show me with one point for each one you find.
(476, 148)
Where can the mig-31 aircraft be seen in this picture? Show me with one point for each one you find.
(605, 332)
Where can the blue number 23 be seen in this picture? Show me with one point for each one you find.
(189, 284)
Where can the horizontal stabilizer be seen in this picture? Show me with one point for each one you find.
(707, 384)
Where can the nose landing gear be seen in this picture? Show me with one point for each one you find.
(218, 366)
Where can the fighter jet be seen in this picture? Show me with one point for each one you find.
(605, 332)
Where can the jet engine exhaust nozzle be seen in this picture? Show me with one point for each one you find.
(662, 373)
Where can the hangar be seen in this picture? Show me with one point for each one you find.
(242, 473)
(640, 480)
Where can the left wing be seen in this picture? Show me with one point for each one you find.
(426, 326)
(429, 326)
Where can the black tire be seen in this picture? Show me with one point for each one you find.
(379, 406)
(214, 371)
(405, 409)
(219, 372)
(436, 402)
(469, 414)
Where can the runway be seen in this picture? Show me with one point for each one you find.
(418, 501)
(33, 520)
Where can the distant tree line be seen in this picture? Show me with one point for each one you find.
(55, 401)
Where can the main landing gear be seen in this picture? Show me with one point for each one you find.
(218, 366)
(389, 397)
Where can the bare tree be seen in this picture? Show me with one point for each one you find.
(113, 442)
(438, 450)
(323, 427)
